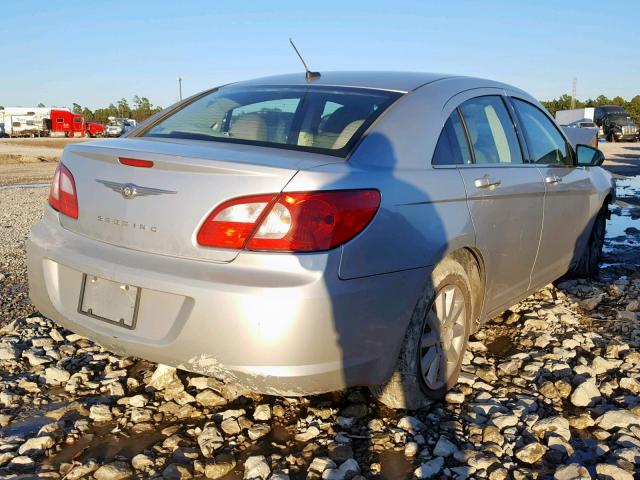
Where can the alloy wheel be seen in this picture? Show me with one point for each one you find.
(442, 341)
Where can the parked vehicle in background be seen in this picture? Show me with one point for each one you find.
(583, 131)
(614, 123)
(60, 123)
(25, 121)
(302, 236)
(115, 128)
(584, 123)
(79, 126)
(94, 129)
(20, 126)
(567, 117)
(42, 122)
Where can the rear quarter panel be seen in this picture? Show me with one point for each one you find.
(423, 213)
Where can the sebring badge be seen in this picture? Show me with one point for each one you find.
(130, 190)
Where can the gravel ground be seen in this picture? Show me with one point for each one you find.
(550, 389)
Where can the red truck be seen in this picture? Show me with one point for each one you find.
(64, 122)
(61, 123)
(95, 129)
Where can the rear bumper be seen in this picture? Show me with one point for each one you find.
(275, 323)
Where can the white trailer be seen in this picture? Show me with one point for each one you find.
(565, 117)
(20, 126)
(33, 120)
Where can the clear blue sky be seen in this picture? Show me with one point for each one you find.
(94, 53)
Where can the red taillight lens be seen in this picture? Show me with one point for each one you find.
(135, 162)
(62, 194)
(292, 222)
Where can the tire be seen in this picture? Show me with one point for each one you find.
(612, 138)
(413, 383)
(588, 265)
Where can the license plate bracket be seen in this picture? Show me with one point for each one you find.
(111, 302)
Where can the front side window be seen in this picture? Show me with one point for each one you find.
(491, 132)
(546, 144)
(452, 147)
(318, 119)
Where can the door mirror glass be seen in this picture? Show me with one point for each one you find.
(589, 156)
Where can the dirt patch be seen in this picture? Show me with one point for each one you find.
(43, 142)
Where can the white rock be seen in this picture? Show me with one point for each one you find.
(210, 439)
(35, 446)
(114, 471)
(429, 469)
(348, 469)
(164, 376)
(444, 448)
(100, 413)
(631, 384)
(411, 425)
(262, 413)
(556, 424)
(585, 394)
(258, 430)
(310, 433)
(256, 468)
(606, 471)
(8, 352)
(209, 398)
(617, 419)
(138, 401)
(21, 463)
(531, 453)
(56, 376)
(320, 464)
(504, 421)
(410, 449)
(575, 471)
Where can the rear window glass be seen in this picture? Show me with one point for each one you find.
(318, 119)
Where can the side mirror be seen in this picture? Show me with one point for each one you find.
(589, 156)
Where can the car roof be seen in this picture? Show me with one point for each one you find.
(381, 80)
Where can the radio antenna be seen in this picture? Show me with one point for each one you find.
(309, 74)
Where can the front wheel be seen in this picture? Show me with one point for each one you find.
(435, 342)
(588, 265)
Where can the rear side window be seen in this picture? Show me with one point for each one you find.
(452, 147)
(546, 144)
(491, 132)
(318, 119)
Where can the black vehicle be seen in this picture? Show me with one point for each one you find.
(616, 124)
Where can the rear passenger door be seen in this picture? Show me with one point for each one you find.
(571, 198)
(505, 198)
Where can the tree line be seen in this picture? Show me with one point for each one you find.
(564, 103)
(140, 109)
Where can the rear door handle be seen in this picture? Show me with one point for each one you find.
(552, 180)
(486, 182)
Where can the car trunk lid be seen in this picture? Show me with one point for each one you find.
(160, 209)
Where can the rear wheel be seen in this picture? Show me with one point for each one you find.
(435, 342)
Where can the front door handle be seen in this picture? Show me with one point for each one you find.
(486, 182)
(552, 180)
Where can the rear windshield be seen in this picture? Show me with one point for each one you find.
(317, 119)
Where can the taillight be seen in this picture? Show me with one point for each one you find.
(291, 222)
(62, 194)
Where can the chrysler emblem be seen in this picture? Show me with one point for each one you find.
(131, 190)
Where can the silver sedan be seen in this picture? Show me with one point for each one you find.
(299, 235)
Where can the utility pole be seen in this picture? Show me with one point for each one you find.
(180, 87)
(573, 93)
